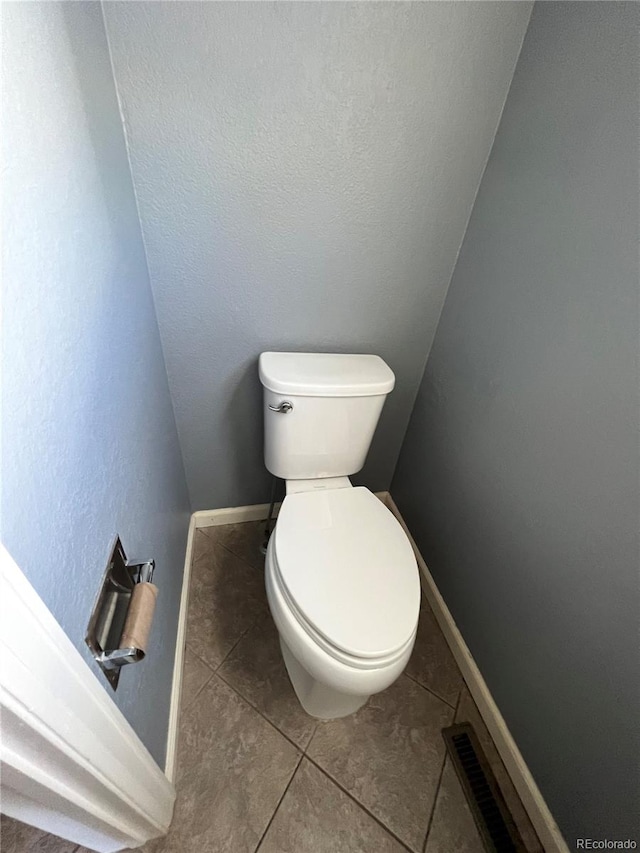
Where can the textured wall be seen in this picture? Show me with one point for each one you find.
(89, 444)
(519, 473)
(305, 172)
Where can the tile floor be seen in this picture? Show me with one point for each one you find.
(255, 773)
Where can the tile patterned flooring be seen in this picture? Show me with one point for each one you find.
(255, 773)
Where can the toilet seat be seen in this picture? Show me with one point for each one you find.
(321, 642)
(348, 574)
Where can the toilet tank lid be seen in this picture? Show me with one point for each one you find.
(324, 374)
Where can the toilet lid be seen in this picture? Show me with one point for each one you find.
(349, 569)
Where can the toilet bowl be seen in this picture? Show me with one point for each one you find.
(341, 577)
(344, 592)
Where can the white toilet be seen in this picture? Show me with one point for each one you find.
(342, 580)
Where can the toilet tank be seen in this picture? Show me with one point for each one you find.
(320, 411)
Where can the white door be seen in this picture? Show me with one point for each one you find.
(71, 763)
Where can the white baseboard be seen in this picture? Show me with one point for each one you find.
(524, 783)
(171, 758)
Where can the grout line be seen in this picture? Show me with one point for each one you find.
(234, 646)
(433, 692)
(313, 734)
(238, 556)
(228, 550)
(459, 700)
(203, 530)
(213, 675)
(358, 803)
(216, 674)
(264, 717)
(214, 668)
(439, 785)
(196, 695)
(226, 547)
(435, 802)
(200, 658)
(202, 686)
(275, 811)
(253, 624)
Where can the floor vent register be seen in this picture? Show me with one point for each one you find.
(493, 819)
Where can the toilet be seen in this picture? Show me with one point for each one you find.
(341, 577)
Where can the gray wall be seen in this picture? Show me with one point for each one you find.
(305, 173)
(89, 443)
(519, 473)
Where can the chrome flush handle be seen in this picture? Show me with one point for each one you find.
(284, 408)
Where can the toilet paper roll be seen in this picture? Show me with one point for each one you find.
(139, 617)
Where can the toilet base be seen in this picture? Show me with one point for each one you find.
(316, 698)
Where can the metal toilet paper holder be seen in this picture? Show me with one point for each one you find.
(110, 612)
